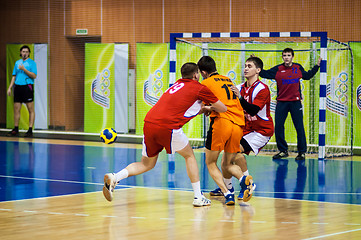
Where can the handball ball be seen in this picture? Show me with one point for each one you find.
(108, 135)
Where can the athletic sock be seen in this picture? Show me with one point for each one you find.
(121, 175)
(228, 192)
(228, 182)
(16, 129)
(197, 189)
(30, 130)
(240, 180)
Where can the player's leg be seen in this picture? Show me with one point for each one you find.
(31, 109)
(15, 130)
(136, 168)
(18, 99)
(193, 174)
(17, 107)
(280, 118)
(151, 149)
(227, 179)
(218, 133)
(297, 118)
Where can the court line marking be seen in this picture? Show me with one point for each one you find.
(124, 187)
(173, 189)
(332, 234)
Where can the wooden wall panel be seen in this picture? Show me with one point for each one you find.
(83, 14)
(57, 61)
(21, 22)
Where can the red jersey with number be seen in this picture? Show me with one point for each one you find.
(220, 86)
(179, 104)
(258, 94)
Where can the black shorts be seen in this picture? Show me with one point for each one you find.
(24, 93)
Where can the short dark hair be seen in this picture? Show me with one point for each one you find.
(207, 64)
(257, 61)
(25, 46)
(286, 50)
(188, 69)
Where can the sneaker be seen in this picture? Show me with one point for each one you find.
(12, 133)
(300, 156)
(28, 134)
(109, 185)
(200, 202)
(229, 199)
(281, 154)
(246, 194)
(247, 188)
(218, 192)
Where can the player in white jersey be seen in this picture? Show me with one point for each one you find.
(256, 101)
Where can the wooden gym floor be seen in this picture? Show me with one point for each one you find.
(51, 189)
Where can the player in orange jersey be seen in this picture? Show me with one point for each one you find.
(226, 128)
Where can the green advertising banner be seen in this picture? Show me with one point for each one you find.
(99, 87)
(152, 78)
(338, 98)
(190, 53)
(356, 50)
(12, 55)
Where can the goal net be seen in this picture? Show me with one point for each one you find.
(327, 98)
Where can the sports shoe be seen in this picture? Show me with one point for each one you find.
(218, 192)
(300, 156)
(200, 202)
(247, 188)
(28, 134)
(12, 133)
(245, 195)
(281, 154)
(109, 185)
(229, 199)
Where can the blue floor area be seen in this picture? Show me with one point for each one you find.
(33, 170)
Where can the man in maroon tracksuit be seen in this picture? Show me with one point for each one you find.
(289, 96)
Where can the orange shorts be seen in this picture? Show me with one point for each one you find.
(223, 134)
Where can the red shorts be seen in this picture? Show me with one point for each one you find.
(223, 134)
(156, 138)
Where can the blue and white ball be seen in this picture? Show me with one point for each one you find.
(108, 135)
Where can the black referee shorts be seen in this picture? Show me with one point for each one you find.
(24, 93)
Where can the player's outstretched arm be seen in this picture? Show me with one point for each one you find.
(218, 107)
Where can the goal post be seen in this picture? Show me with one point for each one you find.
(205, 39)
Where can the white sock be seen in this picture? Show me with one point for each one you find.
(228, 182)
(246, 173)
(228, 192)
(197, 189)
(121, 175)
(240, 180)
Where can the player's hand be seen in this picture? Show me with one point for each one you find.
(21, 67)
(235, 90)
(206, 110)
(319, 61)
(9, 92)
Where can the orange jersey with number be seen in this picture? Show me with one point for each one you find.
(220, 86)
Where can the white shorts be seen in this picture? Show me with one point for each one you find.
(256, 141)
(178, 142)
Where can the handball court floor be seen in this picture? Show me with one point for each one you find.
(52, 189)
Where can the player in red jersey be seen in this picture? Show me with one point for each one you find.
(255, 99)
(163, 129)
